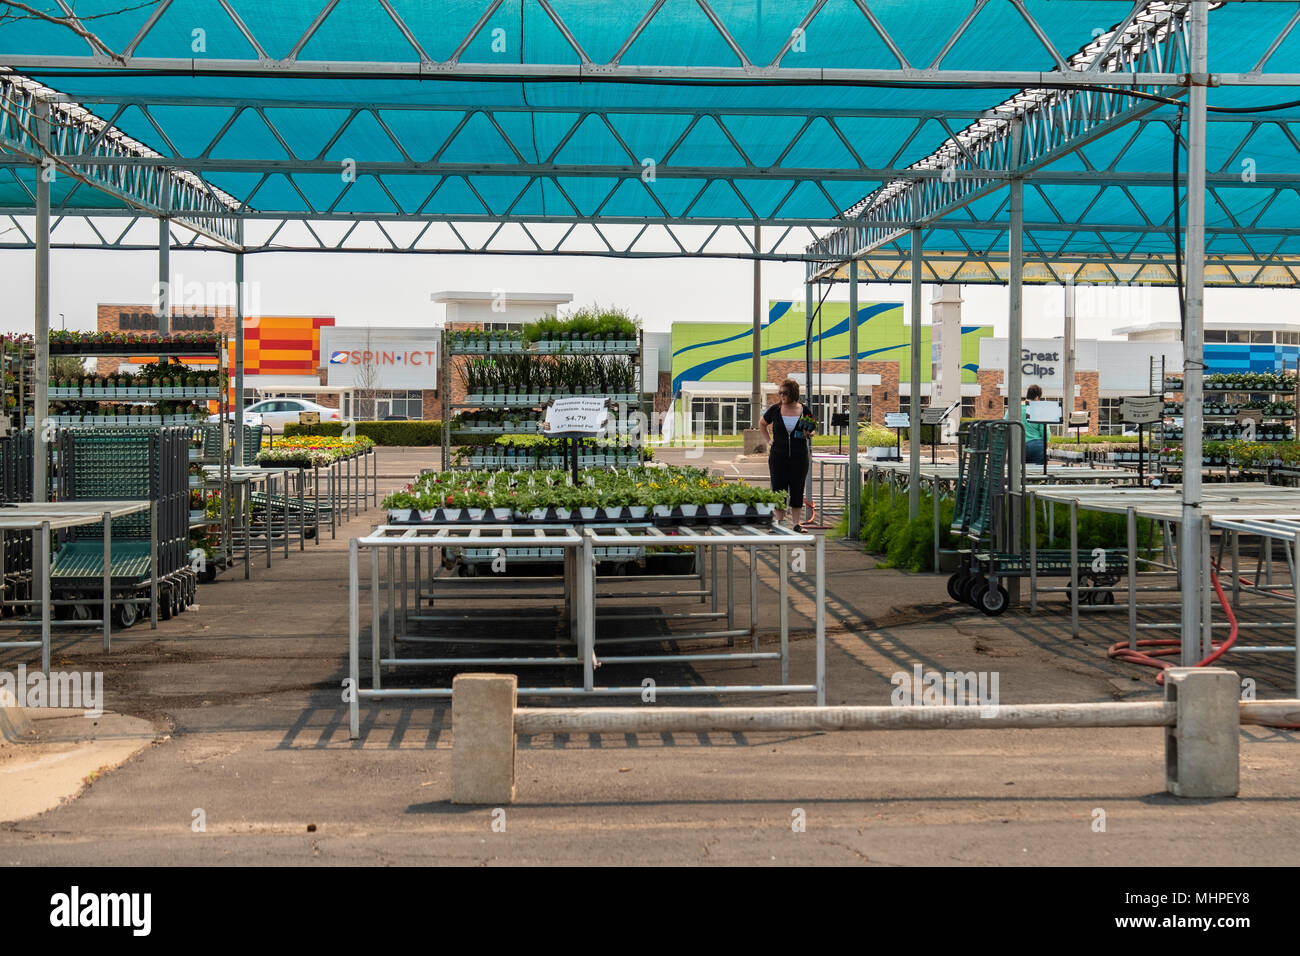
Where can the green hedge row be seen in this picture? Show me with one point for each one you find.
(381, 433)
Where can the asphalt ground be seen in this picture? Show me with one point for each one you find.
(245, 691)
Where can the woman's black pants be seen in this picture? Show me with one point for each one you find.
(789, 473)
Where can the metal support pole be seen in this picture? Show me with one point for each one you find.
(914, 383)
(106, 599)
(239, 357)
(756, 393)
(808, 388)
(784, 607)
(354, 638)
(43, 577)
(1015, 336)
(1192, 558)
(41, 400)
(853, 480)
(1067, 366)
(1131, 518)
(1074, 568)
(821, 620)
(163, 304)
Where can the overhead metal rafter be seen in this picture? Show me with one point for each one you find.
(94, 153)
(750, 65)
(1054, 123)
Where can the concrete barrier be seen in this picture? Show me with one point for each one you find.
(483, 738)
(1201, 752)
(1201, 714)
(15, 721)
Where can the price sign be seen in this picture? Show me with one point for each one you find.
(579, 415)
(1142, 409)
(897, 420)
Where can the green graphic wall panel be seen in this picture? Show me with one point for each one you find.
(723, 351)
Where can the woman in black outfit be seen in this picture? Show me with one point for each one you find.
(788, 427)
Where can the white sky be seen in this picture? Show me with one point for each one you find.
(394, 290)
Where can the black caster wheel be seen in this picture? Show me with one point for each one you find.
(1106, 598)
(126, 614)
(164, 604)
(969, 587)
(993, 601)
(954, 585)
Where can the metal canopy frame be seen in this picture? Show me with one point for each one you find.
(1124, 77)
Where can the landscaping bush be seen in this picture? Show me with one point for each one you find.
(905, 544)
(909, 544)
(381, 433)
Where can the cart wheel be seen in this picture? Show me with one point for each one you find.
(1106, 597)
(80, 612)
(309, 533)
(209, 573)
(164, 604)
(976, 592)
(954, 585)
(993, 601)
(126, 613)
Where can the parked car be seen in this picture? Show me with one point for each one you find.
(277, 412)
(249, 419)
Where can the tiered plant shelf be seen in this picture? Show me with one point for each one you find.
(510, 377)
(1275, 396)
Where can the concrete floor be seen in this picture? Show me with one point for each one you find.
(246, 693)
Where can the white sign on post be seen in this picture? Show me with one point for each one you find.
(1142, 409)
(897, 420)
(578, 415)
(1048, 413)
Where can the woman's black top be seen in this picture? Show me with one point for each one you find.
(781, 442)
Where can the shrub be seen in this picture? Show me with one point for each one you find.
(381, 433)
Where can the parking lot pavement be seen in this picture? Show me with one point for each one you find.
(248, 688)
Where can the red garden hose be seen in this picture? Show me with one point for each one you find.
(1169, 647)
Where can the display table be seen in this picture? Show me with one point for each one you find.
(580, 546)
(42, 518)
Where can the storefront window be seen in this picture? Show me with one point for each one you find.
(719, 416)
(381, 405)
(1109, 421)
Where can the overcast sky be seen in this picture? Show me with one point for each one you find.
(364, 289)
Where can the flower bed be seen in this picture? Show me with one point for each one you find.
(310, 451)
(670, 495)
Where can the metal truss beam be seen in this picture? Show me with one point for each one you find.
(110, 163)
(748, 65)
(947, 257)
(1054, 123)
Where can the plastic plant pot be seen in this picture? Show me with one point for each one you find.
(690, 511)
(636, 511)
(588, 514)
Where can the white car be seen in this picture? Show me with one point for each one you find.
(230, 417)
(277, 412)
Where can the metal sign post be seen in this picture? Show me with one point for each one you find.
(576, 418)
(898, 421)
(1143, 410)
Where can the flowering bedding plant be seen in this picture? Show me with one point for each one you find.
(309, 451)
(528, 492)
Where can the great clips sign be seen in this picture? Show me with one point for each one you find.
(382, 358)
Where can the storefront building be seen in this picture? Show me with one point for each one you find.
(712, 362)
